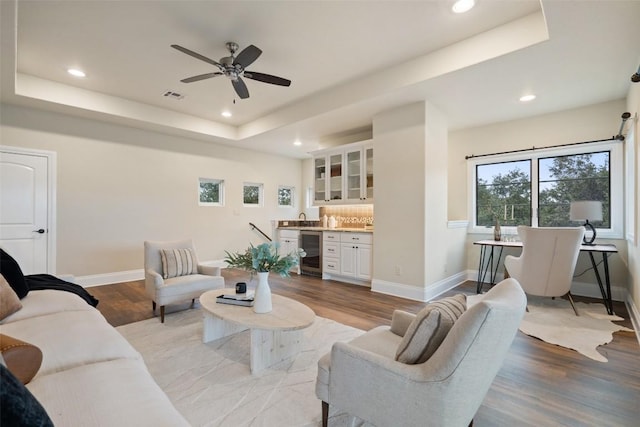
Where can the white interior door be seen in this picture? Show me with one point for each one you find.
(24, 201)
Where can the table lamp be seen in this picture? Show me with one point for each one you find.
(586, 211)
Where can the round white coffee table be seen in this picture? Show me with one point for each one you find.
(275, 336)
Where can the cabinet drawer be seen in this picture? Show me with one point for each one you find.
(293, 234)
(331, 265)
(331, 249)
(331, 236)
(364, 238)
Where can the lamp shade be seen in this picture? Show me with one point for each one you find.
(585, 211)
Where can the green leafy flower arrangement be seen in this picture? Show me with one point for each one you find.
(264, 258)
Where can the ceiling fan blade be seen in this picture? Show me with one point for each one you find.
(241, 88)
(247, 56)
(197, 55)
(201, 77)
(267, 78)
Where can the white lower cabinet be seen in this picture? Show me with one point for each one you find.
(289, 241)
(347, 256)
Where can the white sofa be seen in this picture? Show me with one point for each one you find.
(90, 375)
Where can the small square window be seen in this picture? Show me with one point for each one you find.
(252, 194)
(285, 196)
(211, 192)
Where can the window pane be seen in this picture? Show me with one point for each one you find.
(565, 179)
(285, 196)
(210, 191)
(251, 194)
(503, 192)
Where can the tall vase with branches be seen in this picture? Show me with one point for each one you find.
(262, 260)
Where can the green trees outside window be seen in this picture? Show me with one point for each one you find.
(565, 179)
(504, 190)
(210, 191)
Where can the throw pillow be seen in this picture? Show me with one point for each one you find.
(12, 272)
(178, 262)
(21, 358)
(9, 301)
(429, 329)
(19, 406)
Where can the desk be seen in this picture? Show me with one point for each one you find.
(489, 263)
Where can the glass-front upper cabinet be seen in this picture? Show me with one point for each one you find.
(359, 164)
(320, 181)
(354, 175)
(344, 176)
(328, 179)
(368, 174)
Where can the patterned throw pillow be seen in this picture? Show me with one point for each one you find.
(429, 329)
(9, 301)
(178, 262)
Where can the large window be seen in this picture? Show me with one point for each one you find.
(536, 188)
(503, 193)
(211, 192)
(564, 179)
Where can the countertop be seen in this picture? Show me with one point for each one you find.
(351, 230)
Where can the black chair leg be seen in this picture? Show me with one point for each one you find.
(325, 414)
(162, 314)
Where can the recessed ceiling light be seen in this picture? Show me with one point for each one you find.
(75, 72)
(297, 143)
(527, 98)
(226, 113)
(462, 6)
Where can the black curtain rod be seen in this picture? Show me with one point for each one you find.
(613, 138)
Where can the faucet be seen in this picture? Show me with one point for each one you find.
(302, 216)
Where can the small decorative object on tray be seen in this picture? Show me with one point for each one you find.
(236, 299)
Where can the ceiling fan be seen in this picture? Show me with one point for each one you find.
(233, 67)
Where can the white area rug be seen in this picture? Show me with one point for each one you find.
(553, 321)
(211, 385)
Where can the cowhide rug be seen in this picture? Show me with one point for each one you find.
(553, 321)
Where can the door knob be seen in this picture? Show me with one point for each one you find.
(39, 231)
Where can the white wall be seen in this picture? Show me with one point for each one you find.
(633, 107)
(118, 186)
(411, 239)
(599, 121)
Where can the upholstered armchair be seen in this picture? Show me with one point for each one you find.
(173, 274)
(547, 262)
(362, 377)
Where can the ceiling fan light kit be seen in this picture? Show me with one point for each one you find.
(234, 68)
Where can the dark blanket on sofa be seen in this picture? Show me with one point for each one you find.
(38, 282)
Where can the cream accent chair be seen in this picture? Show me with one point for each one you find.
(547, 262)
(176, 289)
(363, 379)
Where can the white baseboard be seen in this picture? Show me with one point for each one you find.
(634, 315)
(418, 293)
(109, 278)
(126, 276)
(584, 289)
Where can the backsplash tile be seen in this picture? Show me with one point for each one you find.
(349, 216)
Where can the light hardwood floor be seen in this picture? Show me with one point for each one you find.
(539, 384)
